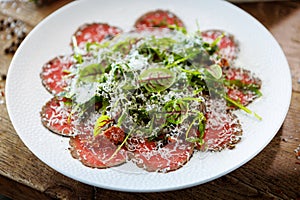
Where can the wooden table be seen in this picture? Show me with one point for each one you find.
(273, 174)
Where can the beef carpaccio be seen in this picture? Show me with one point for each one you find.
(153, 96)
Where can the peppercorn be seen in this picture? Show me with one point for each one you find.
(43, 2)
(15, 31)
(3, 77)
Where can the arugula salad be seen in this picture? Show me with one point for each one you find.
(153, 96)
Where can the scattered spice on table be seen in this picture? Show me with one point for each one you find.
(43, 2)
(13, 30)
(289, 138)
(2, 94)
(297, 152)
(3, 77)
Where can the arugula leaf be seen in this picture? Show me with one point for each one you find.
(240, 106)
(213, 47)
(201, 128)
(142, 116)
(175, 27)
(77, 55)
(90, 46)
(244, 86)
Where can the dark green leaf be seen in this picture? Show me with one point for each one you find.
(157, 79)
(91, 73)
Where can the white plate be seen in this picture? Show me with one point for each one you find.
(259, 52)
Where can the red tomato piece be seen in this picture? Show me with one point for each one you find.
(115, 134)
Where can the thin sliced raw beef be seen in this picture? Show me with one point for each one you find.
(56, 116)
(95, 32)
(155, 156)
(115, 134)
(159, 19)
(222, 130)
(54, 74)
(243, 87)
(242, 97)
(96, 152)
(228, 46)
(243, 75)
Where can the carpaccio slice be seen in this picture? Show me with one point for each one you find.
(114, 134)
(245, 76)
(159, 19)
(222, 130)
(54, 73)
(228, 46)
(56, 116)
(96, 152)
(153, 156)
(243, 86)
(95, 32)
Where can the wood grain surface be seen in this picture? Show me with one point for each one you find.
(272, 174)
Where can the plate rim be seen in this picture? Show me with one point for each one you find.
(74, 3)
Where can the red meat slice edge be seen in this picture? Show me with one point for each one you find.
(159, 19)
(96, 152)
(56, 116)
(243, 75)
(241, 95)
(228, 47)
(153, 156)
(244, 98)
(54, 74)
(95, 32)
(223, 130)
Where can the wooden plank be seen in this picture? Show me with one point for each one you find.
(6, 40)
(268, 175)
(29, 15)
(28, 11)
(273, 174)
(276, 169)
(16, 191)
(20, 165)
(282, 20)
